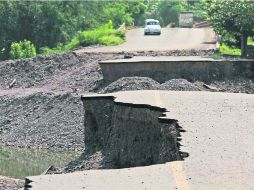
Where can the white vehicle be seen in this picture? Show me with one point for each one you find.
(152, 27)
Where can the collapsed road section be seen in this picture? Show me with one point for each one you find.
(122, 135)
(218, 137)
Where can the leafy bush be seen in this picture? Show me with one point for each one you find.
(23, 49)
(110, 40)
(60, 48)
(251, 41)
(120, 33)
(105, 35)
(73, 44)
(224, 49)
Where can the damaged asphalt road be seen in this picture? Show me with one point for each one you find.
(43, 110)
(218, 138)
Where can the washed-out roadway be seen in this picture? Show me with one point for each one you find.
(219, 138)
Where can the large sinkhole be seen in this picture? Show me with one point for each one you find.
(122, 135)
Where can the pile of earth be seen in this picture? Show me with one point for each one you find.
(145, 83)
(56, 72)
(240, 85)
(42, 121)
(180, 85)
(131, 83)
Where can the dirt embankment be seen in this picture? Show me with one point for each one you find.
(42, 121)
(60, 72)
(66, 72)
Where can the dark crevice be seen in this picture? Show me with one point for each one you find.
(27, 184)
(123, 135)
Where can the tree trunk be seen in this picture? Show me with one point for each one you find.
(244, 38)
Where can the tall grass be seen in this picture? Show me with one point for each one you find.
(226, 50)
(104, 35)
(20, 162)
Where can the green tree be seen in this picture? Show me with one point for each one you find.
(166, 11)
(169, 11)
(49, 23)
(45, 23)
(233, 17)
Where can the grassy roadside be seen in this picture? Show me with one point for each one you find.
(226, 50)
(103, 35)
(20, 162)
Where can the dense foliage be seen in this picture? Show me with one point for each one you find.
(56, 26)
(105, 35)
(52, 23)
(232, 20)
(168, 11)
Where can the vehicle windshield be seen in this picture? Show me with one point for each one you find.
(152, 23)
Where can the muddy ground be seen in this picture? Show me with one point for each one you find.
(43, 109)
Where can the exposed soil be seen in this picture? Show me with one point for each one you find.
(240, 85)
(7, 183)
(179, 85)
(131, 83)
(42, 121)
(60, 72)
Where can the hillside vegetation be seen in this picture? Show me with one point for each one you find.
(59, 26)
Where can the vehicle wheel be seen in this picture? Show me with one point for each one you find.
(145, 33)
(159, 33)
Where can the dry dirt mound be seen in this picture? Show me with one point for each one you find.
(179, 85)
(54, 72)
(145, 83)
(42, 121)
(131, 83)
(240, 85)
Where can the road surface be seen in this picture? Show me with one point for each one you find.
(219, 138)
(170, 39)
